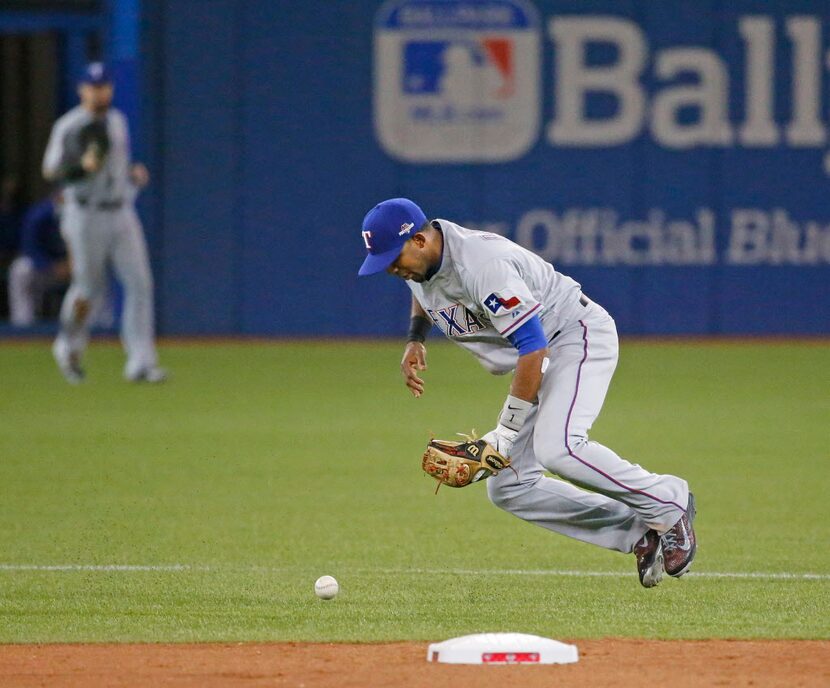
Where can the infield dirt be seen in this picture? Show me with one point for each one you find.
(679, 664)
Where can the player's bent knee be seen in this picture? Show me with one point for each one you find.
(555, 454)
(141, 287)
(575, 443)
(81, 309)
(143, 277)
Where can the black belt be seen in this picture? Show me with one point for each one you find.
(101, 205)
(583, 301)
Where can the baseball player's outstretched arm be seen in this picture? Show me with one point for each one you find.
(528, 375)
(415, 353)
(523, 393)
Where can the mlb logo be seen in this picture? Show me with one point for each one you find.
(457, 80)
(436, 67)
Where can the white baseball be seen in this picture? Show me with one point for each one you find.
(326, 588)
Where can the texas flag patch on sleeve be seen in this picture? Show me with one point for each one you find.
(498, 302)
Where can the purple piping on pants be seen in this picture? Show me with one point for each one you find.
(568, 422)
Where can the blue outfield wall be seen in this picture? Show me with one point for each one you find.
(673, 156)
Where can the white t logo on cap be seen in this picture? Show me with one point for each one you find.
(366, 237)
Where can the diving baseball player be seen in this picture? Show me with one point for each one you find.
(514, 312)
(89, 154)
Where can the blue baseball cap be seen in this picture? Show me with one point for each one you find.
(96, 73)
(386, 228)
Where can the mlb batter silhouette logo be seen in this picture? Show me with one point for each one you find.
(459, 82)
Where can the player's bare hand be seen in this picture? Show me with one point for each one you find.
(92, 160)
(414, 360)
(139, 175)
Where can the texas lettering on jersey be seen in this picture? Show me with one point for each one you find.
(455, 320)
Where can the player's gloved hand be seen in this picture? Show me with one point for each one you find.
(94, 141)
(501, 439)
(458, 464)
(414, 359)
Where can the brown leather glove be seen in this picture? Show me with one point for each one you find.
(458, 464)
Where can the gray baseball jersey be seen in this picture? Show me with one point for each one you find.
(112, 181)
(487, 287)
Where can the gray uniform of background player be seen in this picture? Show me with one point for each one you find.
(625, 500)
(101, 228)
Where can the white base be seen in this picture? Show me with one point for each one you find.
(502, 648)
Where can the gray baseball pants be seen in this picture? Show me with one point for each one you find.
(97, 239)
(607, 500)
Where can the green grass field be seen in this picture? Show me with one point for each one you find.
(260, 467)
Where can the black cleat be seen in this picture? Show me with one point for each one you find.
(153, 375)
(69, 363)
(680, 543)
(649, 553)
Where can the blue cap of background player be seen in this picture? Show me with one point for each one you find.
(386, 228)
(96, 73)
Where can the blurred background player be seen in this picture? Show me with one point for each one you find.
(89, 153)
(42, 264)
(10, 213)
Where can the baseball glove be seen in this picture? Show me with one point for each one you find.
(458, 464)
(95, 135)
(90, 140)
